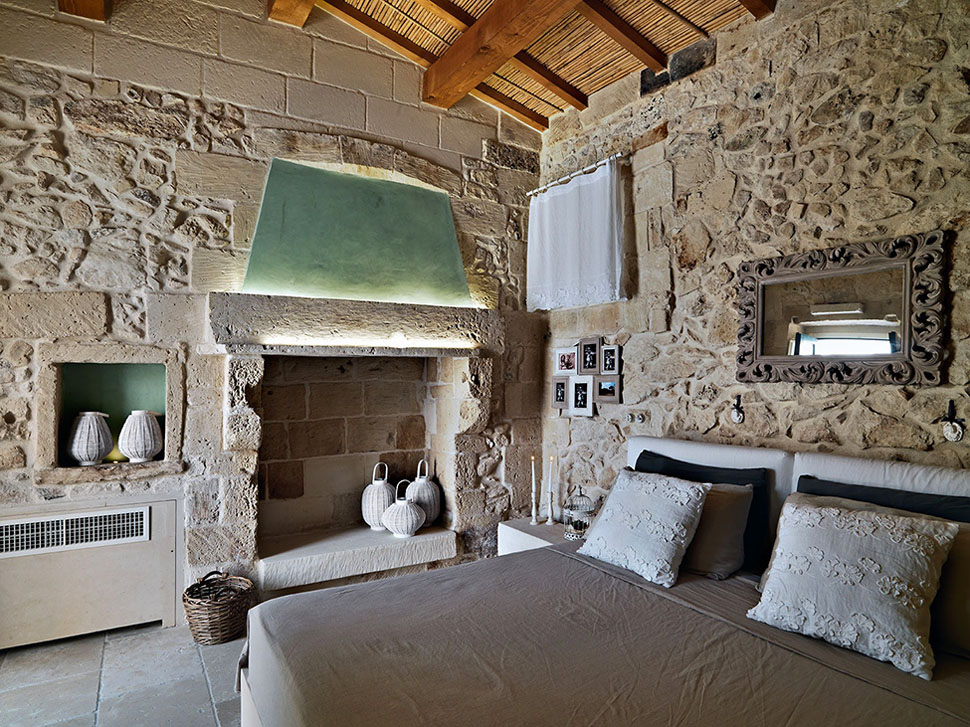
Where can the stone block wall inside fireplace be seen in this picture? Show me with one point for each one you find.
(326, 422)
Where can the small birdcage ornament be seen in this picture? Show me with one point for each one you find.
(578, 511)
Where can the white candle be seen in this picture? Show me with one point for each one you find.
(534, 520)
(551, 520)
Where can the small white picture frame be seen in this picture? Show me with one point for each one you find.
(565, 361)
(609, 360)
(580, 396)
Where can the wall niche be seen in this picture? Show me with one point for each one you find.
(115, 379)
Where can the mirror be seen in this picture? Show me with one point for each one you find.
(856, 314)
(861, 313)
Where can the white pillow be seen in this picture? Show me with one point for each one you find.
(856, 578)
(646, 524)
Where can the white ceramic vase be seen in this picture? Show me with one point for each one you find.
(90, 439)
(403, 518)
(377, 497)
(425, 494)
(141, 436)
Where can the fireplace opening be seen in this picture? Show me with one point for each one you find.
(326, 423)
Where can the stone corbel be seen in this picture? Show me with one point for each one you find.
(241, 425)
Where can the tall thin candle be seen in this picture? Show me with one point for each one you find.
(534, 513)
(551, 520)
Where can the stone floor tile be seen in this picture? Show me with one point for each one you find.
(88, 720)
(133, 630)
(185, 703)
(149, 659)
(50, 702)
(28, 665)
(220, 666)
(228, 713)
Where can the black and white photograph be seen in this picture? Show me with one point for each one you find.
(606, 390)
(560, 393)
(565, 361)
(581, 396)
(589, 356)
(609, 360)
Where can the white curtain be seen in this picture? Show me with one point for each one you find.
(576, 242)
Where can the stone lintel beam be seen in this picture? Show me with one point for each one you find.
(272, 324)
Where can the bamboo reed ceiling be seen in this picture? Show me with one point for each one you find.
(574, 49)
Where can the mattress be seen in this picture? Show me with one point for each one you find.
(550, 637)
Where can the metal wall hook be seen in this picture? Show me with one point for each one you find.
(737, 411)
(953, 426)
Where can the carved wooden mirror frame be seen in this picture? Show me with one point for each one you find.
(919, 362)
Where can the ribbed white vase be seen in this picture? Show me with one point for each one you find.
(425, 494)
(403, 518)
(90, 439)
(141, 436)
(377, 497)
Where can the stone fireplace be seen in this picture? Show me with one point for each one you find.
(317, 391)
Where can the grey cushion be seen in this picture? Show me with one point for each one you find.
(757, 536)
(717, 549)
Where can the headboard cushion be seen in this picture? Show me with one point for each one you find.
(882, 473)
(723, 455)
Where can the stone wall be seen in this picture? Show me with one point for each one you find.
(132, 158)
(827, 122)
(326, 423)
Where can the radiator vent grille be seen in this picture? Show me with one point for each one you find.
(34, 535)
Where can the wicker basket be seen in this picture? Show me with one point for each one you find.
(216, 607)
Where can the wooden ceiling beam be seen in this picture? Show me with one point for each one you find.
(525, 63)
(680, 18)
(412, 51)
(291, 12)
(91, 9)
(600, 15)
(759, 8)
(507, 27)
(528, 65)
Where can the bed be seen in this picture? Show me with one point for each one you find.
(551, 637)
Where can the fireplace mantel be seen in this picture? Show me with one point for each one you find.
(242, 323)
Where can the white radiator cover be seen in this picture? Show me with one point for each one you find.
(71, 572)
(72, 531)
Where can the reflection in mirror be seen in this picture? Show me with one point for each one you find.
(841, 314)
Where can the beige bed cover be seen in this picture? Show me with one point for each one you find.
(549, 637)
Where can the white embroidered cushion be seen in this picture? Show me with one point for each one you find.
(646, 524)
(859, 579)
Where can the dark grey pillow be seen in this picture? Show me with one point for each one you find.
(948, 507)
(757, 534)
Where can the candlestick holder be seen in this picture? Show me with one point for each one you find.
(552, 517)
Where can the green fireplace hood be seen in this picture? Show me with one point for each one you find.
(326, 234)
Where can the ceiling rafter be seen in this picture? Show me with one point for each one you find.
(680, 18)
(91, 9)
(291, 12)
(462, 20)
(507, 27)
(759, 8)
(425, 58)
(600, 15)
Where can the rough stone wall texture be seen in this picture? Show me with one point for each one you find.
(132, 157)
(326, 423)
(827, 122)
